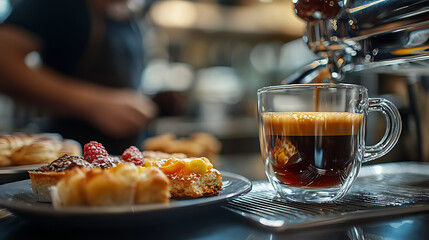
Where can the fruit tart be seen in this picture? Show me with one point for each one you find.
(49, 175)
(192, 177)
(95, 156)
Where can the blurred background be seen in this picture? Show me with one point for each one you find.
(207, 58)
(213, 55)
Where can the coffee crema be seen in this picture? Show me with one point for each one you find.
(313, 149)
(309, 123)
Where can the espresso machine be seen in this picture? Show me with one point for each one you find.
(372, 36)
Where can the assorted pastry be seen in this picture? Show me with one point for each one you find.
(189, 177)
(99, 179)
(125, 184)
(196, 145)
(49, 175)
(25, 149)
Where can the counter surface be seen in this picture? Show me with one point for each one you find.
(215, 222)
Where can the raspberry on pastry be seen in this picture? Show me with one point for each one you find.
(94, 152)
(133, 154)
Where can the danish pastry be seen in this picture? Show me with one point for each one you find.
(189, 177)
(197, 145)
(125, 184)
(22, 149)
(38, 151)
(156, 155)
(70, 147)
(8, 144)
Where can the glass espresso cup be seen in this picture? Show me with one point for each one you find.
(312, 137)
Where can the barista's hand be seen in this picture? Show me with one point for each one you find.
(115, 112)
(121, 112)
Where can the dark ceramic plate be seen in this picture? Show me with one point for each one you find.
(18, 198)
(16, 173)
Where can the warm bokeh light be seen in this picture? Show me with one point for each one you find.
(179, 14)
(262, 18)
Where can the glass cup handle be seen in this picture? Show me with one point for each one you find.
(393, 128)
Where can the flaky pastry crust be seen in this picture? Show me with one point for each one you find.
(41, 182)
(9, 144)
(37, 152)
(125, 184)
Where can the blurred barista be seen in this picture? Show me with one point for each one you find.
(92, 63)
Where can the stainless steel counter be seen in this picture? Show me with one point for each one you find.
(215, 222)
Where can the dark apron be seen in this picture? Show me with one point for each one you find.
(113, 58)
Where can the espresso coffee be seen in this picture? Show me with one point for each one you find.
(312, 149)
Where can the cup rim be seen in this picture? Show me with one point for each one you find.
(311, 86)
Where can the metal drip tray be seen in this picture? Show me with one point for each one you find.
(379, 191)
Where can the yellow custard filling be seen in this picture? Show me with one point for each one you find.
(186, 165)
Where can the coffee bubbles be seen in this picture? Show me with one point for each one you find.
(314, 149)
